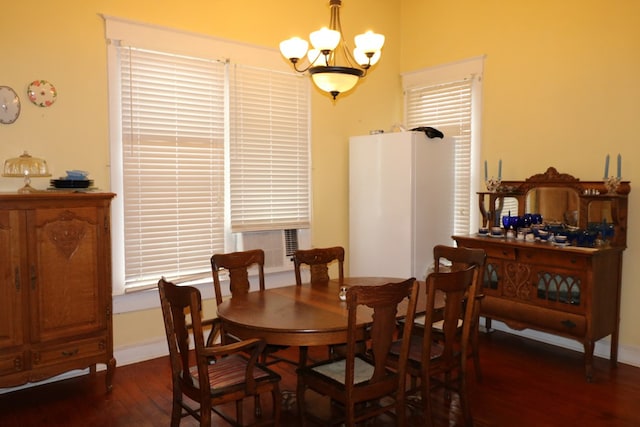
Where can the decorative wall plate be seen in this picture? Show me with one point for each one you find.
(9, 105)
(42, 93)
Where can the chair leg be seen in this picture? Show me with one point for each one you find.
(239, 412)
(425, 385)
(277, 404)
(258, 406)
(205, 413)
(300, 402)
(176, 413)
(350, 419)
(476, 354)
(300, 387)
(401, 408)
(464, 401)
(176, 407)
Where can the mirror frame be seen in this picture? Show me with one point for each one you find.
(588, 191)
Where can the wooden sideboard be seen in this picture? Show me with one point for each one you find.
(569, 291)
(55, 285)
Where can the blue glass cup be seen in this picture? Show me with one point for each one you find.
(514, 222)
(506, 221)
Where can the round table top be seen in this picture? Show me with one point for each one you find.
(304, 315)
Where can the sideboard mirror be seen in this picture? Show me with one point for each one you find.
(559, 198)
(555, 204)
(599, 211)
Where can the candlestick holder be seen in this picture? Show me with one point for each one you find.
(611, 184)
(493, 184)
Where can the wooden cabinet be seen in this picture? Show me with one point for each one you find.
(55, 285)
(570, 291)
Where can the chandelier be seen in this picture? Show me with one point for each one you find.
(329, 49)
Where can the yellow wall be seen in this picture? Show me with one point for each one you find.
(560, 89)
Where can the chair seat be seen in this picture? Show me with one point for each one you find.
(230, 372)
(415, 350)
(419, 320)
(363, 370)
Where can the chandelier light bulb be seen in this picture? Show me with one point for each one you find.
(364, 60)
(369, 42)
(325, 39)
(294, 48)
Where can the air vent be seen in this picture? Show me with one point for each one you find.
(278, 245)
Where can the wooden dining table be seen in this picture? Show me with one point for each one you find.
(305, 315)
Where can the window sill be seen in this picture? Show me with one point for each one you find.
(149, 299)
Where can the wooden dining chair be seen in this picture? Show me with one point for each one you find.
(360, 380)
(211, 375)
(237, 265)
(318, 260)
(459, 258)
(441, 362)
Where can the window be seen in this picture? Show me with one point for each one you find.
(209, 143)
(448, 98)
(269, 151)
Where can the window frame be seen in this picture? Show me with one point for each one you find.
(168, 40)
(469, 69)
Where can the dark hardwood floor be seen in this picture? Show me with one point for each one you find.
(525, 384)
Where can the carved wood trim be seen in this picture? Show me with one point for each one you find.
(516, 280)
(552, 175)
(67, 231)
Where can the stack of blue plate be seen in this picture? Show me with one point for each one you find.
(71, 183)
(74, 179)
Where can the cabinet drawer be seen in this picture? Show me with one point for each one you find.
(73, 350)
(557, 258)
(522, 315)
(500, 252)
(11, 363)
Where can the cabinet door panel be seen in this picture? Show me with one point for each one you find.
(64, 271)
(11, 281)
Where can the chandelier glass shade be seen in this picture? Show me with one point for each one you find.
(333, 66)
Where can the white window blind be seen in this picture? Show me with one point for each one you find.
(196, 141)
(173, 164)
(269, 150)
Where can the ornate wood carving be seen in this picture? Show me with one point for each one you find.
(552, 175)
(516, 280)
(67, 232)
